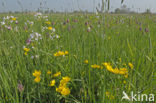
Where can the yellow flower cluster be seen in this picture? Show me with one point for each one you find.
(37, 74)
(96, 66)
(122, 71)
(52, 83)
(63, 89)
(26, 51)
(60, 53)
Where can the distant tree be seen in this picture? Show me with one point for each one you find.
(148, 11)
(117, 10)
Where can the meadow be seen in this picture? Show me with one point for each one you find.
(76, 58)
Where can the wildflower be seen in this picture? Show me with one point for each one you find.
(120, 60)
(86, 61)
(37, 73)
(124, 82)
(130, 65)
(146, 30)
(37, 79)
(26, 53)
(50, 28)
(14, 19)
(48, 22)
(57, 74)
(95, 66)
(48, 72)
(26, 49)
(65, 79)
(65, 91)
(66, 52)
(52, 83)
(60, 53)
(122, 71)
(109, 95)
(20, 86)
(9, 28)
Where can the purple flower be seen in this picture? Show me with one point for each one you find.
(146, 30)
(28, 41)
(9, 27)
(20, 87)
(140, 28)
(86, 23)
(16, 22)
(75, 21)
(67, 20)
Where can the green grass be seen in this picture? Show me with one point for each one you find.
(120, 37)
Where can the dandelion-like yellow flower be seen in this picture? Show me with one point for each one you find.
(37, 79)
(57, 74)
(50, 28)
(37, 73)
(60, 53)
(52, 83)
(13, 19)
(26, 49)
(122, 71)
(131, 65)
(48, 22)
(26, 53)
(66, 52)
(86, 61)
(95, 66)
(65, 91)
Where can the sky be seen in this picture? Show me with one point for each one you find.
(71, 5)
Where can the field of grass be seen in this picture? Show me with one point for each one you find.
(76, 58)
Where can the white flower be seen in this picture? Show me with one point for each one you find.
(2, 23)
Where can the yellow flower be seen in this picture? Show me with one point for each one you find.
(37, 73)
(95, 66)
(65, 91)
(67, 79)
(60, 53)
(48, 22)
(131, 65)
(50, 28)
(57, 74)
(48, 72)
(124, 82)
(120, 60)
(25, 53)
(86, 61)
(52, 83)
(26, 49)
(59, 89)
(66, 52)
(13, 19)
(37, 79)
(107, 93)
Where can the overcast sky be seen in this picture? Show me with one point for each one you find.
(70, 5)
